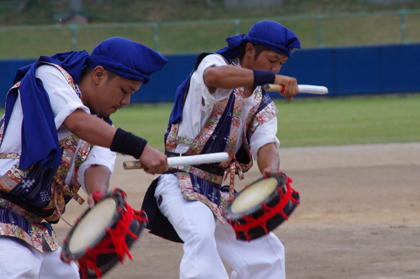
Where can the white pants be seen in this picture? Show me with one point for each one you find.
(19, 260)
(208, 242)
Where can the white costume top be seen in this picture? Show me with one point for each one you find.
(64, 101)
(195, 115)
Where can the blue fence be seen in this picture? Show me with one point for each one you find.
(345, 71)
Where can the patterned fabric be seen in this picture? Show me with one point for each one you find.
(219, 134)
(32, 233)
(32, 195)
(196, 189)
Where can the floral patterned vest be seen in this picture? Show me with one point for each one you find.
(29, 197)
(219, 134)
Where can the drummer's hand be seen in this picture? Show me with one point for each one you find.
(153, 160)
(96, 180)
(290, 86)
(94, 197)
(267, 171)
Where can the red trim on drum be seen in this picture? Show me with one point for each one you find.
(269, 213)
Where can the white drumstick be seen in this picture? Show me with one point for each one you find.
(303, 88)
(184, 160)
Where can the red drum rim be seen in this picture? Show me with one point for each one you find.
(281, 179)
(262, 218)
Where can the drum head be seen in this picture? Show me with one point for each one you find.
(110, 222)
(91, 228)
(249, 200)
(254, 195)
(247, 208)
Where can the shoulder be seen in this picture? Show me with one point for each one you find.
(48, 72)
(217, 57)
(213, 60)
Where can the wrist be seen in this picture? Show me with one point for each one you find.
(262, 77)
(127, 143)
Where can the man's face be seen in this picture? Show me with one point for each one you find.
(112, 93)
(269, 60)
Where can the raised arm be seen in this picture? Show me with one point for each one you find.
(229, 77)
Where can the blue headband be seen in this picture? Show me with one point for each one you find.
(268, 33)
(127, 59)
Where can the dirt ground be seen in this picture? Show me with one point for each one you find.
(359, 215)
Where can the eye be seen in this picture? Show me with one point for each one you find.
(123, 91)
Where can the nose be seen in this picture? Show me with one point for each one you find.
(126, 100)
(276, 69)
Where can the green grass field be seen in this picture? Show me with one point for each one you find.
(308, 122)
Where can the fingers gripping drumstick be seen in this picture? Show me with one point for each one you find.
(303, 88)
(184, 160)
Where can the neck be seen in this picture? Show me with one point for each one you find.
(245, 63)
(248, 91)
(83, 92)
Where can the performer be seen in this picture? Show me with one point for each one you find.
(56, 136)
(222, 107)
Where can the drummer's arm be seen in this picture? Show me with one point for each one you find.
(97, 178)
(268, 158)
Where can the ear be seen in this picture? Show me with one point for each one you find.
(99, 74)
(249, 50)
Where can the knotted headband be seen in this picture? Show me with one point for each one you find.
(268, 33)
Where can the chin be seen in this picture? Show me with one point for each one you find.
(103, 115)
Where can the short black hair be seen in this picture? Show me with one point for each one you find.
(111, 75)
(87, 70)
(258, 50)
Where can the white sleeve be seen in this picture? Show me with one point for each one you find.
(194, 114)
(98, 156)
(197, 80)
(265, 133)
(63, 99)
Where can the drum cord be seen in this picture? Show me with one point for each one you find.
(61, 185)
(56, 203)
(234, 166)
